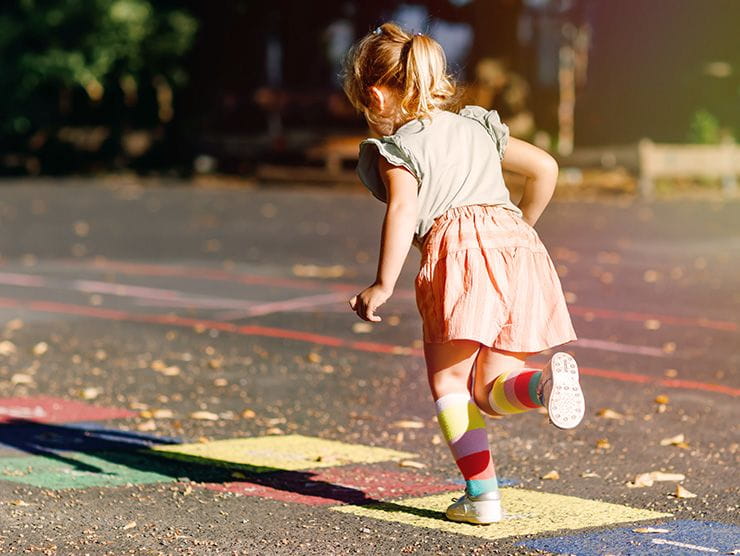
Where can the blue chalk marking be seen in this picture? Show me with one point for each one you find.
(685, 537)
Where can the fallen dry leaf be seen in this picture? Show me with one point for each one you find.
(15, 324)
(173, 370)
(158, 365)
(661, 476)
(681, 492)
(90, 393)
(673, 440)
(81, 228)
(661, 399)
(362, 328)
(408, 424)
(671, 373)
(412, 464)
(129, 525)
(607, 413)
(652, 324)
(551, 476)
(603, 443)
(40, 348)
(204, 416)
(314, 357)
(147, 426)
(18, 503)
(651, 276)
(215, 363)
(7, 348)
(315, 271)
(248, 414)
(650, 530)
(274, 430)
(20, 378)
(590, 475)
(647, 479)
(162, 414)
(669, 347)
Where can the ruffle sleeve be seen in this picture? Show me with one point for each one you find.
(490, 119)
(393, 151)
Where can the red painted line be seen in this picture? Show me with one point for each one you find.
(174, 320)
(642, 317)
(220, 275)
(304, 283)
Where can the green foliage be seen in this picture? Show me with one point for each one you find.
(52, 51)
(705, 128)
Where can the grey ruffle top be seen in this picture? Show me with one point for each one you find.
(456, 159)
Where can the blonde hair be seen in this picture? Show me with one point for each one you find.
(413, 66)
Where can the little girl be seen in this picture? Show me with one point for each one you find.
(487, 290)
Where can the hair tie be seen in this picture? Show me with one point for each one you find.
(378, 31)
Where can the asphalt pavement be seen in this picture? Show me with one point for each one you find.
(180, 374)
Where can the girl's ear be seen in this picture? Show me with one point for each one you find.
(378, 98)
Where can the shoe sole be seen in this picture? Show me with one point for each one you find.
(473, 520)
(566, 405)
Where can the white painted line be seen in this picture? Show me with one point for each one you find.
(285, 305)
(606, 345)
(27, 280)
(685, 545)
(110, 288)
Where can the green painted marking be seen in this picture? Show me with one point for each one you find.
(79, 470)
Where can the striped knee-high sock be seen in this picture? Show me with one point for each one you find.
(465, 431)
(515, 391)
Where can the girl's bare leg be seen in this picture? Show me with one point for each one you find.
(449, 366)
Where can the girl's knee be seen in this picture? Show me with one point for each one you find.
(480, 397)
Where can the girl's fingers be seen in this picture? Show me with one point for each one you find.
(353, 302)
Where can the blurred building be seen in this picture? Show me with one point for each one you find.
(647, 71)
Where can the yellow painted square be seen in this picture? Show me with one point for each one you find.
(526, 512)
(270, 453)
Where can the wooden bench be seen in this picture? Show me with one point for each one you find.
(677, 161)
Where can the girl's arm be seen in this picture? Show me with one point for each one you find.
(541, 172)
(395, 241)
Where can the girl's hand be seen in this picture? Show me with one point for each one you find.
(367, 302)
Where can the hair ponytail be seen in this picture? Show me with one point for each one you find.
(412, 65)
(426, 85)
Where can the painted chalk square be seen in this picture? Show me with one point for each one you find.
(353, 484)
(273, 453)
(80, 470)
(45, 409)
(673, 538)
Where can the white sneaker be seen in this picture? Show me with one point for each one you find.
(560, 391)
(480, 510)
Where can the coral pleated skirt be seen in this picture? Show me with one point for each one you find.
(486, 276)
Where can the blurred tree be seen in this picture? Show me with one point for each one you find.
(705, 128)
(112, 64)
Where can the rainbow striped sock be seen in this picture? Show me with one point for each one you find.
(515, 392)
(465, 431)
